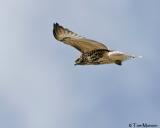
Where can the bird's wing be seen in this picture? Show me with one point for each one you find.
(81, 43)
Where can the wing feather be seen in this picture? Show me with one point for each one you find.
(73, 39)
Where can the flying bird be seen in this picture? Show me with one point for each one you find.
(93, 52)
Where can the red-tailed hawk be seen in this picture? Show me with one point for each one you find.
(93, 52)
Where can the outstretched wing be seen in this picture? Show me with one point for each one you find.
(75, 40)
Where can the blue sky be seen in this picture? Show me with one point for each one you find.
(40, 86)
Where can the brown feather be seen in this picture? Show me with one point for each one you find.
(80, 43)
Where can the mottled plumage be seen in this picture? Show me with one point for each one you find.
(93, 52)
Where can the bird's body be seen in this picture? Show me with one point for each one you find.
(93, 52)
(94, 57)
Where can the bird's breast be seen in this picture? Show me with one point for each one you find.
(96, 57)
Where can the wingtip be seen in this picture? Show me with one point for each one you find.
(57, 30)
(54, 33)
(55, 25)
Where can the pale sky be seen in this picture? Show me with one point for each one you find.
(41, 88)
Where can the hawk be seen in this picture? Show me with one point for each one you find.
(93, 52)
